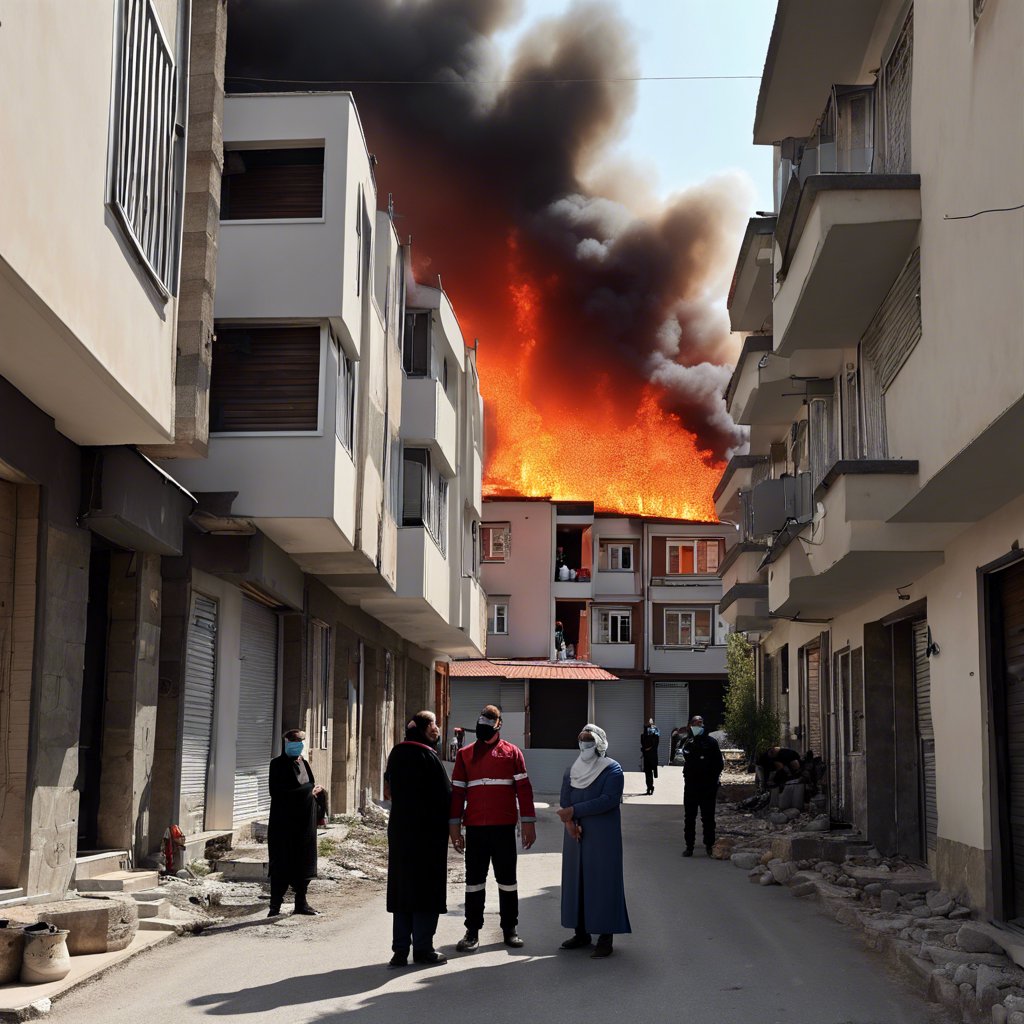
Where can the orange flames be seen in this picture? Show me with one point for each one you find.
(613, 444)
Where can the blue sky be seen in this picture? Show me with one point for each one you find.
(688, 131)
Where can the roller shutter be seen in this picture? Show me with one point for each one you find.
(619, 710)
(671, 710)
(197, 722)
(925, 735)
(813, 670)
(467, 698)
(512, 701)
(257, 694)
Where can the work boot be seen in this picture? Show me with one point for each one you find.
(274, 912)
(399, 960)
(512, 939)
(579, 941)
(306, 910)
(469, 942)
(429, 959)
(688, 852)
(603, 948)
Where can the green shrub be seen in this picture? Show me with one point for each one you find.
(752, 726)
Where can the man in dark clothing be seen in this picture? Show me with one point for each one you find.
(649, 740)
(779, 765)
(417, 785)
(291, 832)
(702, 767)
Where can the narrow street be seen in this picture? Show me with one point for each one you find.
(707, 947)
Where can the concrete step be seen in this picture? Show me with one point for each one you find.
(99, 862)
(149, 895)
(154, 908)
(118, 881)
(11, 897)
(252, 868)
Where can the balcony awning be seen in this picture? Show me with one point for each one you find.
(482, 668)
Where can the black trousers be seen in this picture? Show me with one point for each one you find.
(418, 927)
(279, 886)
(488, 845)
(699, 795)
(650, 774)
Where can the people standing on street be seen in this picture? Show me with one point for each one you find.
(291, 832)
(417, 785)
(649, 740)
(489, 781)
(702, 769)
(593, 890)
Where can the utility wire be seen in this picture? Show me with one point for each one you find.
(510, 81)
(996, 209)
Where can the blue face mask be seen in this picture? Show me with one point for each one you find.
(697, 730)
(293, 748)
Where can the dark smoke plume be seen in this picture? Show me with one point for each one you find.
(496, 176)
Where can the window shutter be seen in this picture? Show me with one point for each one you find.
(272, 184)
(416, 343)
(896, 328)
(414, 467)
(265, 379)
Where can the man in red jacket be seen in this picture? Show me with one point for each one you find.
(488, 782)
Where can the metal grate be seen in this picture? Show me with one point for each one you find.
(897, 75)
(197, 724)
(145, 180)
(895, 329)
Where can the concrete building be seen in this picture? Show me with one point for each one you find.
(636, 598)
(882, 501)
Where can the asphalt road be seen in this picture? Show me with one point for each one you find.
(707, 948)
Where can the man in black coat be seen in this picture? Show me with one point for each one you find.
(649, 740)
(702, 767)
(291, 834)
(417, 785)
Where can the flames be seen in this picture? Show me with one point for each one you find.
(612, 443)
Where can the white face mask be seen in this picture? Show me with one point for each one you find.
(588, 750)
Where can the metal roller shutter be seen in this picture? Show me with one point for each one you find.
(512, 701)
(197, 724)
(467, 698)
(671, 711)
(925, 735)
(258, 691)
(813, 723)
(619, 710)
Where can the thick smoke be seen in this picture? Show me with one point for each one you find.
(490, 173)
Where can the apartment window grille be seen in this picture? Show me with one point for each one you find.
(265, 380)
(416, 343)
(692, 557)
(614, 626)
(897, 80)
(425, 496)
(895, 329)
(822, 437)
(614, 557)
(687, 627)
(147, 143)
(497, 619)
(320, 682)
(392, 495)
(272, 184)
(495, 539)
(346, 401)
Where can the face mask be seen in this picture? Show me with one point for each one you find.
(697, 730)
(485, 732)
(293, 748)
(588, 751)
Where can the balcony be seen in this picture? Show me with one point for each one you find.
(429, 421)
(619, 656)
(750, 295)
(737, 479)
(843, 240)
(849, 552)
(687, 660)
(744, 602)
(474, 613)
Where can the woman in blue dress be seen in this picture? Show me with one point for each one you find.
(593, 892)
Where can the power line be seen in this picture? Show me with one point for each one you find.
(504, 81)
(995, 209)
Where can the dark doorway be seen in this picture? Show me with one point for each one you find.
(557, 711)
(94, 691)
(573, 617)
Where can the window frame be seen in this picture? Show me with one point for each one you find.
(693, 543)
(689, 612)
(492, 617)
(348, 370)
(246, 147)
(603, 624)
(487, 555)
(434, 495)
(622, 546)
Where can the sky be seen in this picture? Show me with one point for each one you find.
(687, 132)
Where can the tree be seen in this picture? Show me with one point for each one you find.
(750, 724)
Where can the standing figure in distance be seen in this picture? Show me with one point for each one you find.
(291, 831)
(488, 782)
(416, 783)
(593, 890)
(702, 768)
(649, 740)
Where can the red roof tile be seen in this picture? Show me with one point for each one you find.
(482, 668)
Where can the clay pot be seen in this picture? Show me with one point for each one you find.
(46, 956)
(12, 947)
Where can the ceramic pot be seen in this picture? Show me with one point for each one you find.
(12, 948)
(46, 956)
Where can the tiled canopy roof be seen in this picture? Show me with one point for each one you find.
(481, 668)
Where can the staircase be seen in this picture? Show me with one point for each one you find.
(110, 871)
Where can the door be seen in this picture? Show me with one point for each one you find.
(256, 700)
(197, 712)
(671, 711)
(928, 797)
(619, 710)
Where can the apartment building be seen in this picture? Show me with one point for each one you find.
(331, 565)
(881, 505)
(634, 604)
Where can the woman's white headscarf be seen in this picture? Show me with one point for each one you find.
(582, 773)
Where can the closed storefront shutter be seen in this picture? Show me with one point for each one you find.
(619, 710)
(257, 693)
(467, 698)
(925, 735)
(671, 711)
(197, 724)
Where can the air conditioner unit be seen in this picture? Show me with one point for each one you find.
(777, 503)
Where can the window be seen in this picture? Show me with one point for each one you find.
(687, 627)
(272, 184)
(416, 343)
(425, 496)
(364, 245)
(394, 481)
(346, 401)
(615, 557)
(495, 541)
(265, 379)
(692, 557)
(613, 626)
(497, 618)
(147, 143)
(320, 683)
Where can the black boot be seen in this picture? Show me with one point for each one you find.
(469, 942)
(579, 941)
(512, 939)
(429, 958)
(399, 960)
(688, 852)
(603, 948)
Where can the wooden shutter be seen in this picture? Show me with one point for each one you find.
(265, 379)
(272, 184)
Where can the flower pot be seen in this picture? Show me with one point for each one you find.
(46, 956)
